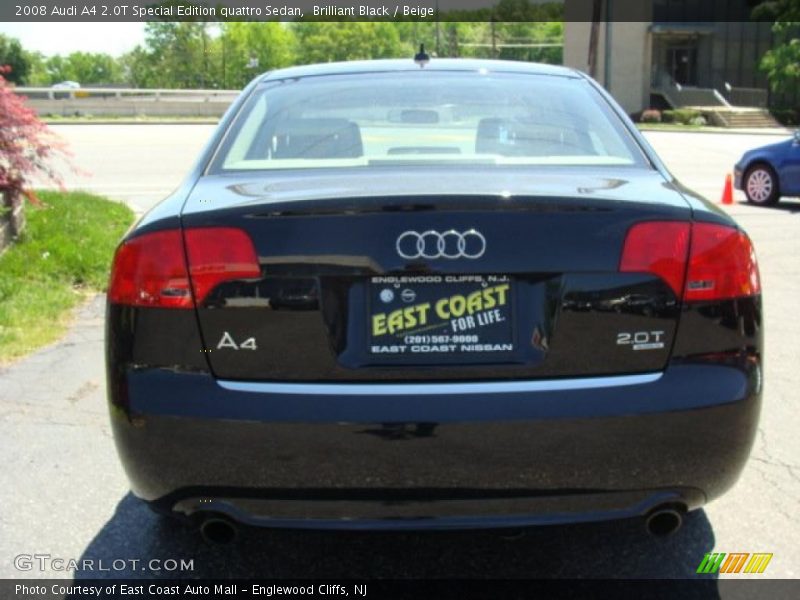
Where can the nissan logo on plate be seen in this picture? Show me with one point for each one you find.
(449, 244)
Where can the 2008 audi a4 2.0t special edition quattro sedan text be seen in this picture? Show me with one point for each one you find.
(457, 294)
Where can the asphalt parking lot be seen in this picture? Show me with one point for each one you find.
(63, 493)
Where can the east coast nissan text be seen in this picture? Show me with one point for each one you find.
(464, 294)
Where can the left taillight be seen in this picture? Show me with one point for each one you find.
(218, 254)
(152, 269)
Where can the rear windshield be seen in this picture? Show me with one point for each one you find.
(425, 117)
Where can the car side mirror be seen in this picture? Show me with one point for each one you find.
(797, 137)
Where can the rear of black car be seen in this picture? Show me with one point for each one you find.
(407, 336)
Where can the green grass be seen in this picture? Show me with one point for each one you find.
(63, 255)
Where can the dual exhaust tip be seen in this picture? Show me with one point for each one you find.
(661, 522)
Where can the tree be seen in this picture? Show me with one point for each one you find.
(481, 39)
(521, 38)
(173, 56)
(58, 69)
(138, 68)
(38, 75)
(13, 56)
(336, 41)
(782, 62)
(246, 49)
(777, 10)
(93, 67)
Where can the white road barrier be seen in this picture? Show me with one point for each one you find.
(127, 102)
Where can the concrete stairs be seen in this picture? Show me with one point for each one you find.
(716, 109)
(740, 118)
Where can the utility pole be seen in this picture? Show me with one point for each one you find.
(494, 38)
(436, 8)
(594, 35)
(454, 51)
(224, 74)
(205, 55)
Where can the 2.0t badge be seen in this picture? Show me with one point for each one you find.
(642, 340)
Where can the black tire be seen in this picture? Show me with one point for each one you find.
(760, 185)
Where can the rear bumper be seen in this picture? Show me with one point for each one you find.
(395, 456)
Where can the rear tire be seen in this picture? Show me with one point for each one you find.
(760, 185)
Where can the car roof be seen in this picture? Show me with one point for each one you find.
(435, 64)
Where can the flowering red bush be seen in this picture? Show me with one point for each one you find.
(28, 149)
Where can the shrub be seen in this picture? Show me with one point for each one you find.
(28, 148)
(650, 116)
(787, 117)
(682, 116)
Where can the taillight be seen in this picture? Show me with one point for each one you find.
(658, 247)
(699, 261)
(151, 270)
(218, 254)
(722, 264)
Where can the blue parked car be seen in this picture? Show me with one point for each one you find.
(769, 172)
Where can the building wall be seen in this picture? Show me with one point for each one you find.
(729, 54)
(630, 60)
(624, 45)
(576, 47)
(738, 49)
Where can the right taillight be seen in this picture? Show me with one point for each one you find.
(722, 264)
(699, 261)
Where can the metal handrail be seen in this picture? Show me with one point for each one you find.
(722, 99)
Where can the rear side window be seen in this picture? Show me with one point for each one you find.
(425, 117)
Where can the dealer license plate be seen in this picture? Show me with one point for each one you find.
(441, 318)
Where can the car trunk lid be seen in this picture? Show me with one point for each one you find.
(450, 280)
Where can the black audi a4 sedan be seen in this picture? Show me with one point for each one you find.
(451, 295)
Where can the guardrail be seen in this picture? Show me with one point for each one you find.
(127, 102)
(139, 93)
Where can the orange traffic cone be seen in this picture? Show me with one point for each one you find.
(727, 191)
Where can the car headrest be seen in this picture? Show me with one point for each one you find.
(317, 138)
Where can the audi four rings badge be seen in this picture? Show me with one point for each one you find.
(450, 244)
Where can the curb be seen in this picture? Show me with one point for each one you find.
(721, 130)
